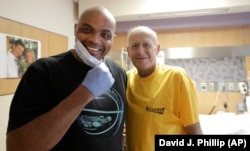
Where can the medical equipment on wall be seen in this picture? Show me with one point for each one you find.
(126, 62)
(244, 91)
(161, 57)
(124, 58)
(225, 104)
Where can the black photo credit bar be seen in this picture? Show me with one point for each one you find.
(202, 142)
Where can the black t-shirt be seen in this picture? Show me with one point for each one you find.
(49, 80)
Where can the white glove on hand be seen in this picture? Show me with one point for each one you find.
(98, 80)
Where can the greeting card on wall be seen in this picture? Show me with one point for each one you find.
(16, 55)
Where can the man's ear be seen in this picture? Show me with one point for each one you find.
(75, 28)
(158, 47)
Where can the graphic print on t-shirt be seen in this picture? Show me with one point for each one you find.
(103, 115)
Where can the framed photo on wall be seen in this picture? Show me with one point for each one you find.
(17, 54)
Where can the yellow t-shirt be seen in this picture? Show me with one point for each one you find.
(162, 103)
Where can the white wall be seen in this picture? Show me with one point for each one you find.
(4, 116)
(57, 16)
